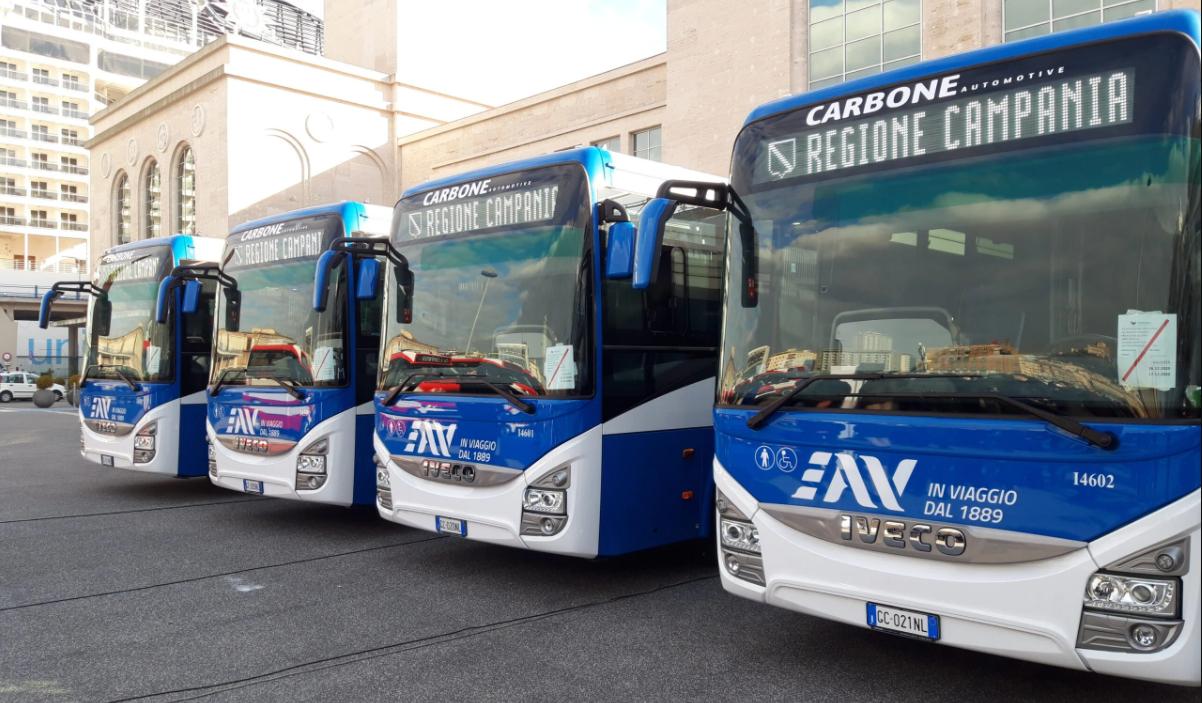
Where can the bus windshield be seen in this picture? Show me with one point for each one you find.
(134, 346)
(501, 287)
(279, 337)
(1061, 270)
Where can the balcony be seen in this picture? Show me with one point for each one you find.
(75, 114)
(77, 170)
(13, 75)
(43, 137)
(12, 190)
(74, 141)
(75, 226)
(17, 104)
(43, 166)
(43, 194)
(43, 224)
(73, 198)
(44, 109)
(14, 133)
(13, 291)
(10, 161)
(44, 80)
(76, 86)
(12, 221)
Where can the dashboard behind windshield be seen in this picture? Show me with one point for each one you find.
(502, 287)
(279, 335)
(1063, 271)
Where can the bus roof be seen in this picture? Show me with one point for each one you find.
(347, 210)
(1180, 21)
(182, 246)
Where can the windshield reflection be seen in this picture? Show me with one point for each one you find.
(135, 343)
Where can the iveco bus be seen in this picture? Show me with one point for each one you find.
(960, 373)
(141, 393)
(289, 408)
(526, 399)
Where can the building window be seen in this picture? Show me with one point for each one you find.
(854, 38)
(613, 145)
(124, 211)
(646, 144)
(185, 192)
(1032, 18)
(154, 201)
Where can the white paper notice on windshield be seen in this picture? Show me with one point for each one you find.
(154, 357)
(1147, 354)
(323, 364)
(560, 368)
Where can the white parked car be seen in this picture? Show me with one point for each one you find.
(18, 384)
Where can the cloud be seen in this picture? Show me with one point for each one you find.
(497, 52)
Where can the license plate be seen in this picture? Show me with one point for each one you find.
(252, 486)
(903, 622)
(451, 526)
(106, 460)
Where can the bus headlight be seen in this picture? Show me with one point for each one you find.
(537, 500)
(742, 536)
(144, 445)
(311, 466)
(1132, 594)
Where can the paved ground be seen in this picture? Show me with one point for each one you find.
(116, 586)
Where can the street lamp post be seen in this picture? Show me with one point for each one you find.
(488, 274)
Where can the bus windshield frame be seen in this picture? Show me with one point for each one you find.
(280, 338)
(996, 266)
(503, 287)
(137, 346)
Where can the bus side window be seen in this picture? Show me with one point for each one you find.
(197, 340)
(665, 337)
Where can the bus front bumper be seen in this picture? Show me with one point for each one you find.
(494, 513)
(277, 476)
(1030, 610)
(118, 450)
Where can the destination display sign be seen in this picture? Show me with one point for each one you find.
(281, 241)
(502, 201)
(903, 122)
(133, 265)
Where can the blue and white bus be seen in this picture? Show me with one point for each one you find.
(524, 398)
(959, 397)
(289, 412)
(141, 393)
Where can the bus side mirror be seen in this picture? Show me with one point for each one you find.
(321, 278)
(103, 318)
(233, 308)
(652, 221)
(191, 297)
(160, 306)
(619, 253)
(368, 280)
(404, 295)
(47, 303)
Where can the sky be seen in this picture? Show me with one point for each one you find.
(496, 52)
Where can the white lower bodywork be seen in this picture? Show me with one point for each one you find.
(494, 513)
(278, 473)
(121, 449)
(1028, 611)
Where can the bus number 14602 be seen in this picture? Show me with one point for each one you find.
(1093, 480)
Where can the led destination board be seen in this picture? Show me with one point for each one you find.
(279, 242)
(1033, 110)
(486, 205)
(134, 265)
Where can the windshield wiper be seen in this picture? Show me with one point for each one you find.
(1103, 440)
(292, 391)
(133, 386)
(462, 380)
(220, 382)
(758, 419)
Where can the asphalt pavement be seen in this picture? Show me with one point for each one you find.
(119, 586)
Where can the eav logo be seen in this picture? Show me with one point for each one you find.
(847, 475)
(101, 407)
(243, 421)
(432, 436)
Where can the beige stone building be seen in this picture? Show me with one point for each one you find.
(272, 130)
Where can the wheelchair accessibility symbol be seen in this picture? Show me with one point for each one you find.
(786, 459)
(765, 458)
